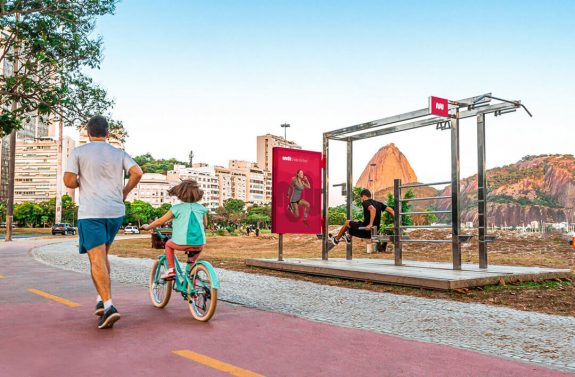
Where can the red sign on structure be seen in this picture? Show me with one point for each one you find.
(439, 106)
(296, 191)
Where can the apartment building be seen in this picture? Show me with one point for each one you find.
(153, 188)
(35, 172)
(266, 143)
(206, 177)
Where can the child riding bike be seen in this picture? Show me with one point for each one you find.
(189, 220)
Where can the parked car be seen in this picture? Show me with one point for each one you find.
(64, 229)
(131, 229)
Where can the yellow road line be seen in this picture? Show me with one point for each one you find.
(61, 300)
(216, 364)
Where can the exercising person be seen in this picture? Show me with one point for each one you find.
(372, 210)
(298, 184)
(98, 170)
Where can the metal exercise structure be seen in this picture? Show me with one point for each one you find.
(478, 107)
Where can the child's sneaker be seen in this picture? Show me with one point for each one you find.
(168, 275)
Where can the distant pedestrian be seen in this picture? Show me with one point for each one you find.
(98, 170)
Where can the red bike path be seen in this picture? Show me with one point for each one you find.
(47, 337)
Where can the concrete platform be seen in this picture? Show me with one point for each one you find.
(431, 275)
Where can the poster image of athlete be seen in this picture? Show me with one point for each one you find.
(295, 194)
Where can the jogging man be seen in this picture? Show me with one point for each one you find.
(372, 210)
(98, 169)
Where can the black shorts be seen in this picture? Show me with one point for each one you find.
(354, 230)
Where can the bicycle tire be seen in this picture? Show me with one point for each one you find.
(159, 300)
(201, 309)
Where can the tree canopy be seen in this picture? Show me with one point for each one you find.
(48, 46)
(150, 165)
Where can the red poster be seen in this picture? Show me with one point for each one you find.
(439, 106)
(296, 191)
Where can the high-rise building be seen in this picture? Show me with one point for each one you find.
(35, 172)
(265, 145)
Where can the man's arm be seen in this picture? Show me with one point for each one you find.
(135, 176)
(71, 180)
(372, 212)
(390, 211)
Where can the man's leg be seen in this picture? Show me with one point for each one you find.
(100, 271)
(342, 231)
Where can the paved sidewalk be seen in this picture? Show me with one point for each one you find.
(538, 338)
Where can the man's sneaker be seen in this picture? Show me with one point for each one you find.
(99, 308)
(108, 318)
(168, 275)
(333, 242)
(346, 237)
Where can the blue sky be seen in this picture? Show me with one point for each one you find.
(210, 76)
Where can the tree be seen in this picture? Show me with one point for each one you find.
(336, 215)
(430, 217)
(142, 211)
(162, 210)
(405, 207)
(50, 43)
(259, 215)
(2, 211)
(28, 213)
(234, 205)
(150, 165)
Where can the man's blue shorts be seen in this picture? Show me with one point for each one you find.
(96, 232)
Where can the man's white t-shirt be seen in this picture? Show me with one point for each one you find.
(101, 170)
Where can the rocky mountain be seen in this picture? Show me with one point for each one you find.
(387, 164)
(537, 188)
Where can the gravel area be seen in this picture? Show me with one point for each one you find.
(533, 337)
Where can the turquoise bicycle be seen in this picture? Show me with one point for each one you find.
(198, 284)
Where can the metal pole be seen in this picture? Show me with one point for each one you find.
(481, 190)
(325, 197)
(281, 248)
(455, 214)
(348, 252)
(397, 222)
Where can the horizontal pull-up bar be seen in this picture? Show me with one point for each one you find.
(402, 117)
(425, 226)
(423, 212)
(425, 184)
(499, 108)
(424, 198)
(430, 241)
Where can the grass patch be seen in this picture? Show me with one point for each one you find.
(547, 284)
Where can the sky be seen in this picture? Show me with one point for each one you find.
(210, 76)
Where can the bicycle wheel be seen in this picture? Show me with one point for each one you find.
(203, 302)
(160, 290)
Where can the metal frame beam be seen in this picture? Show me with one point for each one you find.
(405, 116)
(500, 107)
(481, 191)
(349, 193)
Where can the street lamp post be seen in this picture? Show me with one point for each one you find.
(285, 127)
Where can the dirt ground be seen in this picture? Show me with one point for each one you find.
(511, 248)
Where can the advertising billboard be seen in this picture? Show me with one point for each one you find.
(296, 191)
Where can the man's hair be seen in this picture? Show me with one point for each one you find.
(365, 192)
(188, 191)
(98, 126)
